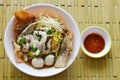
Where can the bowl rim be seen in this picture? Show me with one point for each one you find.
(48, 5)
(94, 55)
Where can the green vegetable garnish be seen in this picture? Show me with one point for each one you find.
(33, 48)
(49, 32)
(39, 37)
(21, 41)
(40, 53)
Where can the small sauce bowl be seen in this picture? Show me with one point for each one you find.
(100, 32)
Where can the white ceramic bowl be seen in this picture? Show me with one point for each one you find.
(35, 9)
(103, 33)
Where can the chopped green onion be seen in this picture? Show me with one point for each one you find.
(49, 32)
(38, 52)
(39, 37)
(35, 51)
(21, 41)
(33, 48)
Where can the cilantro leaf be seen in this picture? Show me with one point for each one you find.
(39, 37)
(33, 48)
(21, 41)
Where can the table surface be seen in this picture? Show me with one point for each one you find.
(104, 13)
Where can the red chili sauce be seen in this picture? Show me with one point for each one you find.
(94, 43)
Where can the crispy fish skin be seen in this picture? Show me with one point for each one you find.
(65, 51)
(22, 20)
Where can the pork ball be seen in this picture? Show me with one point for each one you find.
(49, 60)
(37, 62)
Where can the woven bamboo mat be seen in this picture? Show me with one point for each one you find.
(104, 13)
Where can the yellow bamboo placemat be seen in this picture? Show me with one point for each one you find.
(104, 13)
